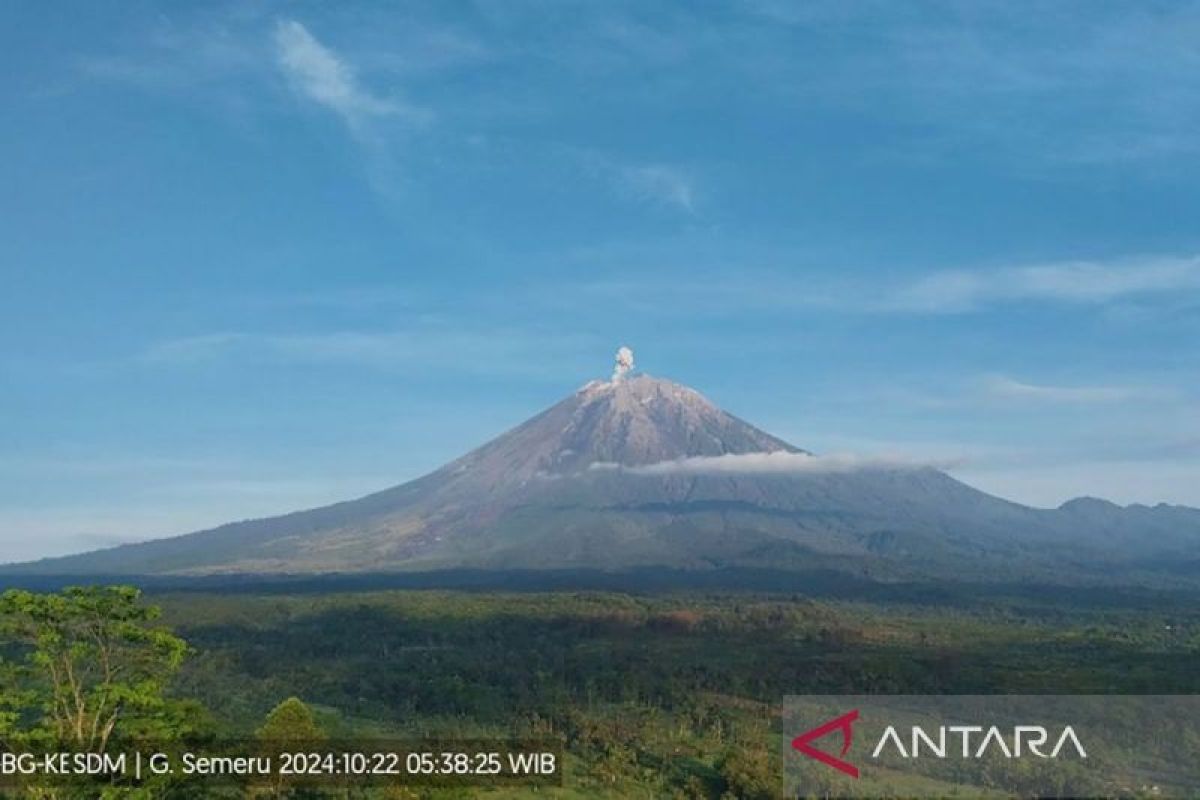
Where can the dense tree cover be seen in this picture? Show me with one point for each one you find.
(665, 695)
(657, 695)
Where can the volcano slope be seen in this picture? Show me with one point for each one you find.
(641, 471)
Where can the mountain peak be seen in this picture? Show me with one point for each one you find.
(642, 419)
(642, 388)
(631, 420)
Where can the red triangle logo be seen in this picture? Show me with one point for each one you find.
(844, 723)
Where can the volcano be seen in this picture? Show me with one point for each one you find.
(640, 471)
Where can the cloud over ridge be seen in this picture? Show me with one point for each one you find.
(778, 462)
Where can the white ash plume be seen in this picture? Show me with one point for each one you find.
(624, 364)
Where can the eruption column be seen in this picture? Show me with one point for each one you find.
(623, 365)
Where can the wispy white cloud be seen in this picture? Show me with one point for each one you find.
(659, 183)
(779, 462)
(327, 78)
(346, 346)
(179, 58)
(958, 291)
(73, 466)
(1001, 387)
(1134, 467)
(1080, 282)
(1119, 89)
(487, 352)
(322, 76)
(191, 349)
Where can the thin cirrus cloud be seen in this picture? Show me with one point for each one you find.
(666, 186)
(372, 349)
(324, 77)
(1000, 387)
(1079, 282)
(660, 184)
(492, 352)
(932, 292)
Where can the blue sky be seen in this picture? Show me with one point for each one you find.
(259, 256)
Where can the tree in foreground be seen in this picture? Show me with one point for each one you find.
(290, 727)
(291, 722)
(86, 670)
(94, 665)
